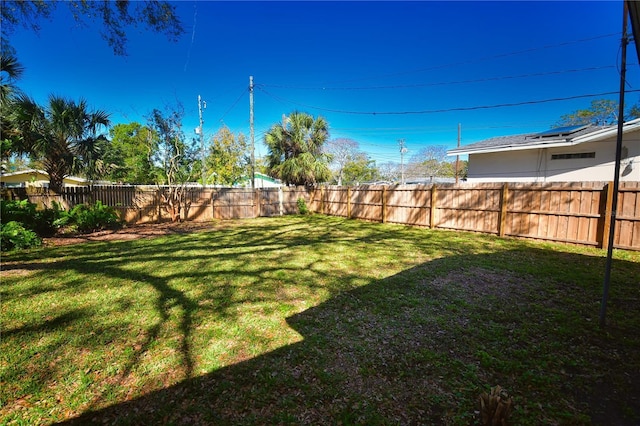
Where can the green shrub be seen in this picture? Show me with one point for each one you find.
(302, 206)
(17, 210)
(15, 236)
(88, 218)
(42, 222)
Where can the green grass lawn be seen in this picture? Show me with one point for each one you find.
(316, 320)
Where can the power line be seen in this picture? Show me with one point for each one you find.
(437, 111)
(244, 91)
(445, 83)
(486, 58)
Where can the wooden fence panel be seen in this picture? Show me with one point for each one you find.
(335, 201)
(627, 230)
(559, 212)
(233, 203)
(468, 207)
(270, 201)
(197, 204)
(290, 196)
(366, 203)
(408, 205)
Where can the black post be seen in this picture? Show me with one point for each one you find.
(616, 177)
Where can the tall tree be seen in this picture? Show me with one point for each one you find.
(389, 171)
(295, 149)
(130, 153)
(61, 136)
(227, 161)
(113, 16)
(348, 163)
(175, 157)
(360, 168)
(342, 151)
(429, 161)
(601, 112)
(10, 71)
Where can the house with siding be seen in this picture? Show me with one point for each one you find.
(565, 154)
(36, 178)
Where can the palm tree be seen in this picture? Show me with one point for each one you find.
(62, 136)
(10, 71)
(295, 149)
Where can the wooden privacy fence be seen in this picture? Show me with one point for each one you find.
(140, 204)
(577, 213)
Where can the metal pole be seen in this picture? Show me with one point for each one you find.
(458, 156)
(616, 177)
(202, 152)
(253, 145)
(402, 151)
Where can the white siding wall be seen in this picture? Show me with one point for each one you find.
(536, 165)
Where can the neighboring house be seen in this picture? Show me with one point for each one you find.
(261, 180)
(36, 178)
(565, 154)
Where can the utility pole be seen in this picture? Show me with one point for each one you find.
(458, 156)
(253, 145)
(202, 105)
(403, 150)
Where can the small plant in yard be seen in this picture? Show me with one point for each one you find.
(302, 206)
(87, 218)
(495, 407)
(40, 221)
(14, 236)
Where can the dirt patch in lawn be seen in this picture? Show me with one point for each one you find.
(130, 232)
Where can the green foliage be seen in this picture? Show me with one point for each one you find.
(227, 162)
(88, 218)
(14, 236)
(42, 222)
(174, 155)
(430, 161)
(295, 150)
(601, 112)
(130, 152)
(63, 135)
(113, 18)
(359, 169)
(302, 206)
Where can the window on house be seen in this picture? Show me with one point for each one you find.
(573, 156)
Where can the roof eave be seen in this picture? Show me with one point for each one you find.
(597, 135)
(501, 148)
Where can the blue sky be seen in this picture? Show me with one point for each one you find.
(377, 71)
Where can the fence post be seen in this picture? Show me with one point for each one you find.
(348, 202)
(256, 202)
(280, 201)
(322, 200)
(504, 201)
(213, 204)
(158, 197)
(604, 225)
(433, 203)
(384, 204)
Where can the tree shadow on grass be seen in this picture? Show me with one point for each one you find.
(420, 346)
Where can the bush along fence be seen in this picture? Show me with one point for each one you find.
(576, 213)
